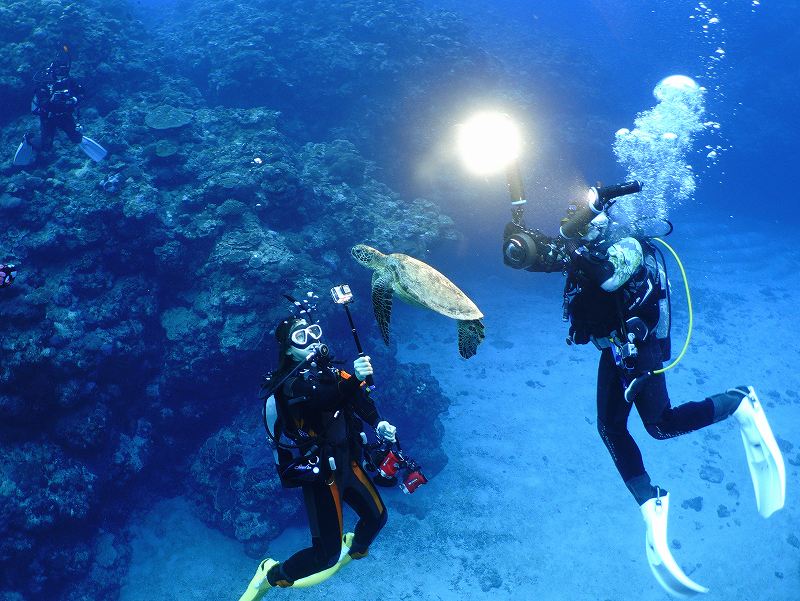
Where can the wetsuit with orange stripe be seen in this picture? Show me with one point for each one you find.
(329, 405)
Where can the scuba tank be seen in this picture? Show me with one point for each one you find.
(657, 270)
(298, 457)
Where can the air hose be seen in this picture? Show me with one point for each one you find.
(689, 304)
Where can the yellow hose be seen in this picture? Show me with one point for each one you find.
(688, 302)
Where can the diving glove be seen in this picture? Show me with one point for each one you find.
(362, 367)
(386, 431)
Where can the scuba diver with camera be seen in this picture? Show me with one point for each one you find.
(617, 296)
(56, 102)
(313, 414)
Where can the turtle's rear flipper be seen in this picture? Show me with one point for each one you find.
(382, 302)
(470, 335)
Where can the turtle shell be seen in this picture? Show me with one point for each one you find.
(420, 284)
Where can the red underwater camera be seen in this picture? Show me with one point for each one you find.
(392, 465)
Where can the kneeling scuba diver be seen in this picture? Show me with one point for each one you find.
(313, 414)
(56, 102)
(617, 296)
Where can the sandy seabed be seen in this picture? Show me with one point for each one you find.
(530, 505)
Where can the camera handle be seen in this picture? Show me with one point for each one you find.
(369, 379)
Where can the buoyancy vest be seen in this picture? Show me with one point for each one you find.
(597, 315)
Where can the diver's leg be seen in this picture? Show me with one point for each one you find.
(664, 421)
(324, 509)
(47, 131)
(363, 497)
(612, 424)
(69, 127)
(660, 418)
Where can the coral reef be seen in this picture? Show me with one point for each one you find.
(364, 70)
(135, 335)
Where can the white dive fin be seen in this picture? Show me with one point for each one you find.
(664, 567)
(92, 149)
(24, 155)
(763, 455)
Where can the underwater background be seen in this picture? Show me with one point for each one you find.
(251, 144)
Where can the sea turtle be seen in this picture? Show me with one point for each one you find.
(420, 285)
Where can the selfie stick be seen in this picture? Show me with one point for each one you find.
(342, 295)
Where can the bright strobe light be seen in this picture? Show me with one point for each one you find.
(488, 143)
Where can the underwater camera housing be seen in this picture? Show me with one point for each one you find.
(519, 247)
(59, 68)
(392, 467)
(532, 250)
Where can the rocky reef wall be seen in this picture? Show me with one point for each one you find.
(134, 339)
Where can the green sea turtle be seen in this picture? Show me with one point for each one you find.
(420, 285)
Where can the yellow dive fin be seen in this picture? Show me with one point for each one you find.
(259, 585)
(319, 577)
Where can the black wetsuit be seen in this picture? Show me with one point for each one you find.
(328, 405)
(56, 103)
(594, 314)
(660, 418)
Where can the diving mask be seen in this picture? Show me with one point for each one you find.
(304, 337)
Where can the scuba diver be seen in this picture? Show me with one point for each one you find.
(617, 297)
(7, 274)
(56, 102)
(313, 415)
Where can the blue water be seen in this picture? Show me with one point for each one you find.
(133, 463)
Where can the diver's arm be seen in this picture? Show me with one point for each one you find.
(77, 90)
(36, 104)
(611, 268)
(365, 407)
(77, 94)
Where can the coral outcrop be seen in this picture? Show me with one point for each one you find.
(136, 334)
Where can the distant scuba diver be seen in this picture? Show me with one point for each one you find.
(7, 274)
(313, 415)
(56, 102)
(617, 296)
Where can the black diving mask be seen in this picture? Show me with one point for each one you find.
(304, 337)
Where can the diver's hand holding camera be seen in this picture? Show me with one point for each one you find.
(386, 431)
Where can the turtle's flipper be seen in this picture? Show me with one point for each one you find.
(470, 335)
(382, 301)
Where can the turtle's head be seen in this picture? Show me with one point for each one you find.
(367, 256)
